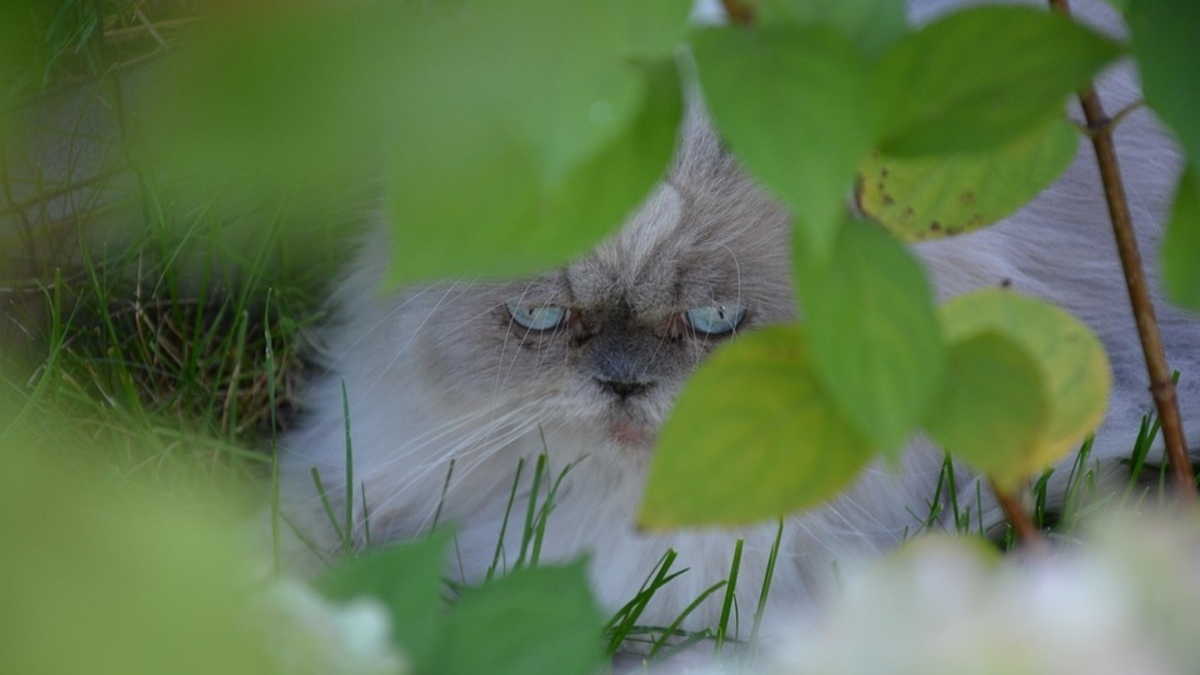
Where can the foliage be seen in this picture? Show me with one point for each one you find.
(557, 133)
(812, 99)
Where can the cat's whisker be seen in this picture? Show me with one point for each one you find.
(480, 426)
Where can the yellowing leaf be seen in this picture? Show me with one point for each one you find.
(933, 196)
(992, 408)
(752, 437)
(1071, 360)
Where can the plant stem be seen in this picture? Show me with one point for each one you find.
(1018, 516)
(1162, 387)
(738, 11)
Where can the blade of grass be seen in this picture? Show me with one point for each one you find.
(333, 520)
(437, 513)
(765, 592)
(512, 496)
(730, 597)
(539, 471)
(269, 355)
(673, 629)
(349, 531)
(544, 514)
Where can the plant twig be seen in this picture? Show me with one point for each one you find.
(739, 11)
(1162, 387)
(1018, 517)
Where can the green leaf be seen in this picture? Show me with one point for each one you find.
(513, 223)
(751, 437)
(873, 332)
(933, 196)
(794, 105)
(408, 580)
(505, 166)
(993, 407)
(1164, 42)
(276, 96)
(1071, 360)
(1181, 246)
(539, 621)
(982, 76)
(108, 574)
(872, 25)
(491, 118)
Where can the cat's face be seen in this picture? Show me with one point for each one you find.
(608, 341)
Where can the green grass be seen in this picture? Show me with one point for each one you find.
(159, 343)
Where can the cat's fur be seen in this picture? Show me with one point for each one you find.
(441, 373)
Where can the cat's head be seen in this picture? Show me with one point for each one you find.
(607, 341)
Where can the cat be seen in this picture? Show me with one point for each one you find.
(582, 363)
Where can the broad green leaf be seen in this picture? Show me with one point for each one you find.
(561, 93)
(872, 25)
(490, 117)
(518, 149)
(514, 223)
(105, 577)
(872, 331)
(933, 196)
(408, 580)
(1181, 246)
(1164, 42)
(276, 95)
(1072, 363)
(794, 105)
(752, 437)
(993, 408)
(982, 76)
(539, 621)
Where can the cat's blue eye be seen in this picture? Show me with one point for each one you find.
(544, 317)
(717, 319)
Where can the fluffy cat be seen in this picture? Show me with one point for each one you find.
(584, 362)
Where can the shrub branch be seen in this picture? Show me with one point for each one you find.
(739, 11)
(1018, 516)
(1161, 384)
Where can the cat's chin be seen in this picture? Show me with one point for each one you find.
(631, 434)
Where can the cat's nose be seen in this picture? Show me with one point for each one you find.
(623, 388)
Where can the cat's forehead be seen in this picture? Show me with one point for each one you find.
(675, 253)
(701, 236)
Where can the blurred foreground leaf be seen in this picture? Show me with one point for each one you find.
(1181, 246)
(873, 332)
(794, 105)
(753, 436)
(513, 222)
(407, 579)
(982, 76)
(535, 621)
(506, 135)
(1164, 42)
(106, 579)
(873, 25)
